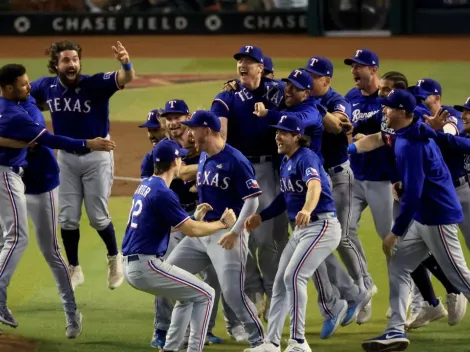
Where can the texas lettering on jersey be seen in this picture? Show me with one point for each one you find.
(213, 179)
(69, 105)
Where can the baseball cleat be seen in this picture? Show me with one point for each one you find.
(353, 311)
(238, 333)
(76, 276)
(264, 347)
(73, 324)
(7, 318)
(115, 273)
(330, 325)
(428, 314)
(413, 315)
(158, 339)
(294, 346)
(212, 339)
(366, 312)
(392, 341)
(456, 307)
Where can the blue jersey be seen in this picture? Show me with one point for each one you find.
(429, 196)
(80, 112)
(296, 172)
(376, 165)
(247, 132)
(15, 123)
(335, 146)
(225, 180)
(42, 173)
(155, 210)
(311, 118)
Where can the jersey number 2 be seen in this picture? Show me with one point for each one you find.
(136, 209)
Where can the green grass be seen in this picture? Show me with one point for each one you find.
(122, 320)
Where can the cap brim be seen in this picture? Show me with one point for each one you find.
(164, 113)
(268, 70)
(294, 83)
(190, 124)
(461, 107)
(283, 128)
(150, 125)
(349, 62)
(386, 102)
(237, 56)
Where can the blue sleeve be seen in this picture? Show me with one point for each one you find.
(61, 142)
(309, 167)
(23, 128)
(339, 105)
(221, 104)
(310, 118)
(172, 209)
(277, 207)
(411, 162)
(457, 143)
(146, 169)
(247, 185)
(105, 84)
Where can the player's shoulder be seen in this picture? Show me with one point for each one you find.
(273, 82)
(234, 155)
(454, 114)
(353, 94)
(8, 109)
(45, 82)
(307, 154)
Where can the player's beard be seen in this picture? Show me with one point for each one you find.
(69, 82)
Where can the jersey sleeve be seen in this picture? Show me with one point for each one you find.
(38, 88)
(23, 128)
(247, 186)
(172, 209)
(339, 105)
(221, 104)
(105, 84)
(146, 169)
(309, 167)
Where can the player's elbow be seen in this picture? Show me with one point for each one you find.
(189, 228)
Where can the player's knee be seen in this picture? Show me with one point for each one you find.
(99, 223)
(289, 279)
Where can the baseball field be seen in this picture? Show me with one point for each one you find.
(193, 69)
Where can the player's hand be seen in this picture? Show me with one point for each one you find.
(229, 217)
(389, 243)
(397, 190)
(346, 124)
(260, 110)
(100, 144)
(228, 240)
(193, 189)
(120, 53)
(230, 85)
(302, 218)
(201, 211)
(358, 136)
(438, 121)
(252, 222)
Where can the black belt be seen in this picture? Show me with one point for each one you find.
(458, 182)
(259, 159)
(85, 151)
(135, 257)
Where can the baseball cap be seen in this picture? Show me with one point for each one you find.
(268, 64)
(320, 66)
(167, 150)
(399, 99)
(290, 124)
(251, 51)
(463, 107)
(152, 120)
(176, 106)
(364, 57)
(430, 86)
(204, 118)
(300, 78)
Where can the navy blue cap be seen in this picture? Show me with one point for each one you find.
(175, 106)
(364, 57)
(290, 124)
(251, 51)
(399, 99)
(152, 119)
(430, 86)
(300, 78)
(167, 150)
(320, 66)
(463, 107)
(204, 118)
(268, 64)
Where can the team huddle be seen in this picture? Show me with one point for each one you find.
(254, 195)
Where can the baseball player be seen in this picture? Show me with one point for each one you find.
(268, 71)
(79, 106)
(16, 124)
(175, 111)
(429, 214)
(306, 195)
(252, 137)
(372, 186)
(154, 212)
(225, 179)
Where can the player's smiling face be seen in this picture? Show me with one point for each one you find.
(362, 75)
(320, 85)
(199, 136)
(69, 67)
(294, 95)
(174, 126)
(248, 70)
(466, 120)
(393, 116)
(155, 135)
(286, 142)
(385, 87)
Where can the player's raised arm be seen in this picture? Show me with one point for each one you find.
(127, 73)
(367, 143)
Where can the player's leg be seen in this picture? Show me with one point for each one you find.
(209, 276)
(70, 211)
(253, 281)
(97, 182)
(42, 209)
(14, 224)
(464, 197)
(157, 277)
